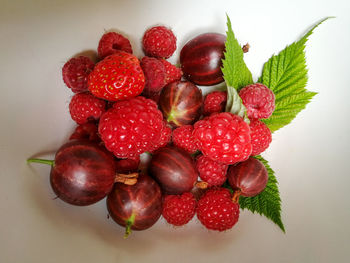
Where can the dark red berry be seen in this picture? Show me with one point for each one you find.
(249, 177)
(82, 173)
(181, 103)
(137, 206)
(201, 59)
(174, 170)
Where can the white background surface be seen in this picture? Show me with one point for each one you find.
(310, 156)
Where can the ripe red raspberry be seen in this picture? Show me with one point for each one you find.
(173, 73)
(223, 137)
(182, 138)
(159, 42)
(216, 210)
(111, 42)
(84, 107)
(131, 127)
(128, 165)
(118, 76)
(210, 171)
(155, 75)
(178, 210)
(260, 135)
(86, 131)
(214, 102)
(75, 73)
(259, 101)
(165, 138)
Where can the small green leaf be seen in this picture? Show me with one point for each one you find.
(268, 202)
(286, 75)
(235, 71)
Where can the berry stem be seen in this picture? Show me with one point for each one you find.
(128, 179)
(128, 226)
(44, 161)
(202, 185)
(236, 195)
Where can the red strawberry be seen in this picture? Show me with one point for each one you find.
(111, 42)
(118, 76)
(216, 210)
(159, 42)
(178, 210)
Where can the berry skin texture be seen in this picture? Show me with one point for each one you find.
(214, 102)
(216, 210)
(84, 107)
(131, 127)
(173, 73)
(165, 138)
(223, 137)
(111, 42)
(259, 101)
(128, 165)
(182, 138)
(261, 136)
(210, 171)
(86, 131)
(75, 73)
(118, 76)
(155, 75)
(178, 210)
(159, 42)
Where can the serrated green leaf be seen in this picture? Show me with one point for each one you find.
(268, 202)
(286, 75)
(235, 71)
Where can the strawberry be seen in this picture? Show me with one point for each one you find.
(118, 76)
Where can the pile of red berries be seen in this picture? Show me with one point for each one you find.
(127, 106)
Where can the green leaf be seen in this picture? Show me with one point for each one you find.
(286, 75)
(268, 202)
(235, 71)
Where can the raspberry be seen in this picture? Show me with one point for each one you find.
(223, 137)
(214, 102)
(165, 138)
(216, 210)
(259, 101)
(75, 73)
(131, 127)
(159, 42)
(111, 42)
(84, 107)
(210, 171)
(182, 138)
(260, 135)
(86, 131)
(178, 210)
(128, 165)
(173, 73)
(155, 75)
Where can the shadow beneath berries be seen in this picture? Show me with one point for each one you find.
(90, 53)
(75, 220)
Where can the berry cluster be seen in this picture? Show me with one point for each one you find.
(127, 106)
